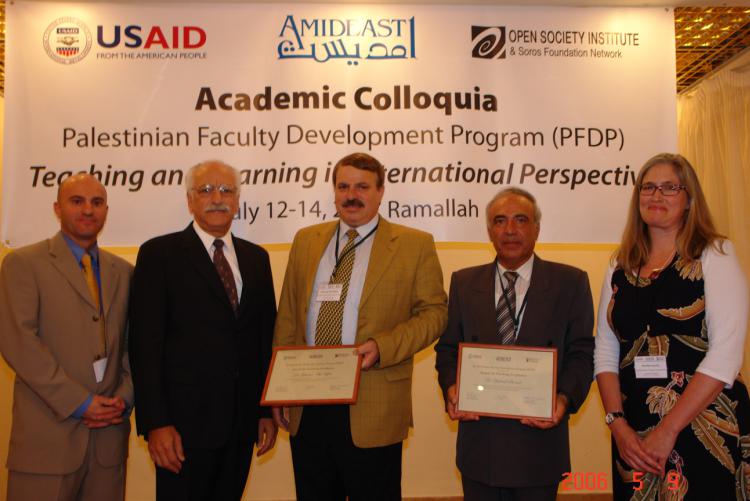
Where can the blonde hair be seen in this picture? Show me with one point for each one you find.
(697, 231)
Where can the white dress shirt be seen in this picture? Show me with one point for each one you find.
(356, 283)
(726, 296)
(523, 281)
(229, 253)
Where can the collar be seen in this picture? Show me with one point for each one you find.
(208, 240)
(362, 230)
(79, 251)
(524, 271)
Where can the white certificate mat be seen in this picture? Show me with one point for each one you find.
(507, 381)
(312, 375)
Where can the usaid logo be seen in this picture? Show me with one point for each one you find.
(67, 40)
(488, 42)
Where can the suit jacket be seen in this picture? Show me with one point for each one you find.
(196, 365)
(559, 313)
(49, 335)
(402, 308)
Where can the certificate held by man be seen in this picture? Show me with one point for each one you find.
(305, 375)
(507, 380)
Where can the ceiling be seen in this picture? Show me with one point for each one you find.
(707, 34)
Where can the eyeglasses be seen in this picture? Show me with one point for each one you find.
(206, 190)
(667, 189)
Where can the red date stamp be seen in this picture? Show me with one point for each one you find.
(597, 481)
(584, 481)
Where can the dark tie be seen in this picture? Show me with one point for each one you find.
(225, 273)
(331, 315)
(506, 310)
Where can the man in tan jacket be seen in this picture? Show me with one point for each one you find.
(63, 311)
(390, 302)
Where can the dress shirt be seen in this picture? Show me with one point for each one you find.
(523, 281)
(726, 296)
(356, 283)
(229, 253)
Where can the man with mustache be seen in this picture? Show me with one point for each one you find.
(390, 303)
(63, 311)
(518, 299)
(202, 315)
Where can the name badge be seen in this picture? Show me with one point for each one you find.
(100, 367)
(651, 367)
(329, 292)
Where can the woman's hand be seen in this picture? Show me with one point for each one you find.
(631, 448)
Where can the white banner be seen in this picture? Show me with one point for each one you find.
(456, 101)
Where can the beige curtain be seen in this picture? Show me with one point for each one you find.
(714, 134)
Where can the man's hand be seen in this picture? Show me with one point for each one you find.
(561, 407)
(103, 411)
(267, 430)
(165, 447)
(371, 353)
(281, 417)
(451, 406)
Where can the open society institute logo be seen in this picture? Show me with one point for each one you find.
(488, 42)
(67, 40)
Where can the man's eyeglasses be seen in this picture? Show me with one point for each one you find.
(667, 189)
(206, 190)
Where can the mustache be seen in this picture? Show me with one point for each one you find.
(216, 208)
(353, 202)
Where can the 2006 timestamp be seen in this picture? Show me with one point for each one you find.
(597, 481)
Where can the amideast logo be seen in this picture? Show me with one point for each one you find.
(67, 40)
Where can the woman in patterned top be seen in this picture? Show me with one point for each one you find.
(671, 331)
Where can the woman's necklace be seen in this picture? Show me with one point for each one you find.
(655, 271)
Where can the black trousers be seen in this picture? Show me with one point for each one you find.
(477, 491)
(329, 467)
(208, 474)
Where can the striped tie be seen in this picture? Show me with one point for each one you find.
(506, 310)
(331, 316)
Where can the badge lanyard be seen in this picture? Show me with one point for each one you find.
(516, 318)
(350, 249)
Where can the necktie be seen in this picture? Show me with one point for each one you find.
(506, 310)
(93, 285)
(331, 316)
(225, 273)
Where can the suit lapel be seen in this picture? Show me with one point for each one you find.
(315, 251)
(383, 249)
(247, 271)
(198, 258)
(109, 280)
(482, 304)
(64, 261)
(538, 305)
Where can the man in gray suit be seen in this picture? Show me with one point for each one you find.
(523, 300)
(63, 311)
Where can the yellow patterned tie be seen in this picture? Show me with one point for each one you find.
(88, 272)
(331, 316)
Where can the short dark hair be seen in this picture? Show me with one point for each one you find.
(362, 161)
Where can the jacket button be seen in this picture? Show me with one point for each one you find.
(95, 318)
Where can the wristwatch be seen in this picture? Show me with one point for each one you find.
(611, 416)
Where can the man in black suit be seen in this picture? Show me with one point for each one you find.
(518, 299)
(201, 326)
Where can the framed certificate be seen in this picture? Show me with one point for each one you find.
(312, 375)
(507, 381)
